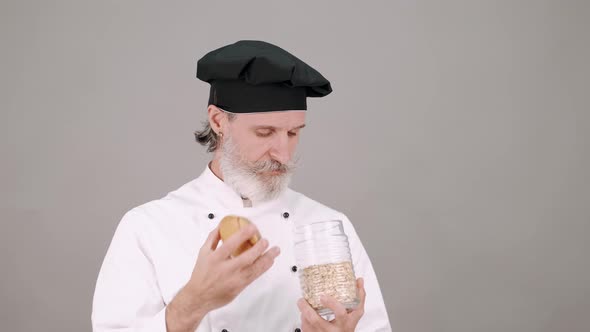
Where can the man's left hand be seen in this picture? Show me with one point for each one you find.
(345, 321)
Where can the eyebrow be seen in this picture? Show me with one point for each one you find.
(273, 128)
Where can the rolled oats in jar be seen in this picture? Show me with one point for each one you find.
(325, 264)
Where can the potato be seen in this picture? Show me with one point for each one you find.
(230, 225)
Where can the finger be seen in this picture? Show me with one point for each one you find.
(308, 314)
(360, 284)
(337, 307)
(250, 255)
(305, 325)
(359, 311)
(236, 240)
(260, 265)
(212, 240)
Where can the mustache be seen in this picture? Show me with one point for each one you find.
(256, 167)
(273, 166)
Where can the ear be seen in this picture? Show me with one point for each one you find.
(217, 119)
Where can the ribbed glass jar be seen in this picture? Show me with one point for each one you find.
(325, 265)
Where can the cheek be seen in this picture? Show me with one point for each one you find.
(293, 144)
(249, 145)
(258, 152)
(255, 149)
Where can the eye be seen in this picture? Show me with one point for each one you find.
(292, 134)
(263, 133)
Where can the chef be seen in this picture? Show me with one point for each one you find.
(167, 269)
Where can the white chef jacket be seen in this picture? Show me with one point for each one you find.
(155, 247)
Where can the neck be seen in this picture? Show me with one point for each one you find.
(215, 167)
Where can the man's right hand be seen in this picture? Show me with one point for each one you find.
(218, 278)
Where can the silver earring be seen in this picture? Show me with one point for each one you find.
(221, 134)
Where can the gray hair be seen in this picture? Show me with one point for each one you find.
(207, 137)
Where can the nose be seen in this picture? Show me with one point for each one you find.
(280, 149)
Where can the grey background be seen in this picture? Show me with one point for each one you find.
(456, 141)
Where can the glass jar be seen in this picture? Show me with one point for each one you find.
(325, 265)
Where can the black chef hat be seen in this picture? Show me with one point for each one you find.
(255, 76)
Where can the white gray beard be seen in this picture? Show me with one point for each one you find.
(246, 178)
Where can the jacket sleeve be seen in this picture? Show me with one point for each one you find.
(375, 318)
(127, 296)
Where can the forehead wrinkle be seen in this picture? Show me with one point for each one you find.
(275, 127)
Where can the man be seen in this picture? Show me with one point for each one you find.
(166, 269)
